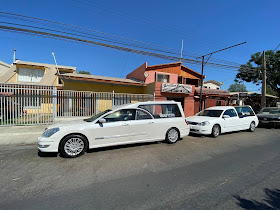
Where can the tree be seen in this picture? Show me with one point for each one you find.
(252, 71)
(84, 72)
(237, 87)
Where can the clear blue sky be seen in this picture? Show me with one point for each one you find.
(205, 26)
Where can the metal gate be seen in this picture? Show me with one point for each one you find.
(26, 104)
(35, 104)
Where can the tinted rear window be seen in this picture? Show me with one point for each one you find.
(163, 110)
(244, 111)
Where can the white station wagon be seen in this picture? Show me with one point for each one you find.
(127, 124)
(221, 119)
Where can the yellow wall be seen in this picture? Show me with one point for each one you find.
(13, 79)
(44, 108)
(86, 86)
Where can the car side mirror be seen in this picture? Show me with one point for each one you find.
(102, 120)
(226, 116)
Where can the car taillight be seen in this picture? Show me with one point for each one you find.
(186, 122)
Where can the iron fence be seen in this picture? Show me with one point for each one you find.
(35, 104)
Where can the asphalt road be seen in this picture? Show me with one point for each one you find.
(234, 171)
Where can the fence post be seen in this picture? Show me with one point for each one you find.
(54, 103)
(38, 101)
(113, 99)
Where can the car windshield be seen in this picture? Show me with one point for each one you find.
(210, 113)
(270, 111)
(97, 115)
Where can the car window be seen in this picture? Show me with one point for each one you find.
(210, 113)
(141, 115)
(121, 115)
(163, 110)
(96, 116)
(270, 111)
(230, 112)
(244, 111)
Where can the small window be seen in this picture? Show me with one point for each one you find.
(121, 115)
(141, 115)
(163, 110)
(230, 112)
(162, 78)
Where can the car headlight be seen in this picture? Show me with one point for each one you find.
(50, 132)
(203, 123)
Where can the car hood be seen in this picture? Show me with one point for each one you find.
(75, 123)
(200, 119)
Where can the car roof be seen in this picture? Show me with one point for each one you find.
(220, 108)
(135, 105)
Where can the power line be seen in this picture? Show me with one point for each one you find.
(276, 47)
(63, 37)
(33, 19)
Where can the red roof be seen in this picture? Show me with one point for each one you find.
(207, 91)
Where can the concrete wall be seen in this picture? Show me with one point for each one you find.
(173, 78)
(211, 86)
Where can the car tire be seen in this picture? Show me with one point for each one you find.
(252, 127)
(73, 146)
(172, 135)
(216, 130)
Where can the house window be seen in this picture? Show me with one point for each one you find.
(162, 78)
(30, 74)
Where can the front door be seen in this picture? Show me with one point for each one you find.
(116, 129)
(231, 123)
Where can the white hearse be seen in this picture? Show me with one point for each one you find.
(221, 119)
(126, 124)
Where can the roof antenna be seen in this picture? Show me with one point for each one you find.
(14, 58)
(182, 49)
(55, 63)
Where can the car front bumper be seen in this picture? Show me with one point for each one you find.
(205, 130)
(47, 144)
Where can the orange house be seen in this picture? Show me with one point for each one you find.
(174, 81)
(171, 81)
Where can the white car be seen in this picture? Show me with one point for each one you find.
(127, 124)
(221, 119)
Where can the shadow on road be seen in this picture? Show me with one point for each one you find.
(47, 154)
(271, 201)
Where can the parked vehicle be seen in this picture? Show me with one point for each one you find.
(269, 116)
(221, 119)
(127, 124)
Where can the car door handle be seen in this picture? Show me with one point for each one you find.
(150, 122)
(125, 124)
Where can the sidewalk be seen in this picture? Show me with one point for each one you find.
(26, 134)
(20, 134)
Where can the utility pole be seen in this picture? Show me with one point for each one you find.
(202, 67)
(200, 95)
(263, 101)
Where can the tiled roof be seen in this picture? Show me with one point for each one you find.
(207, 91)
(100, 78)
